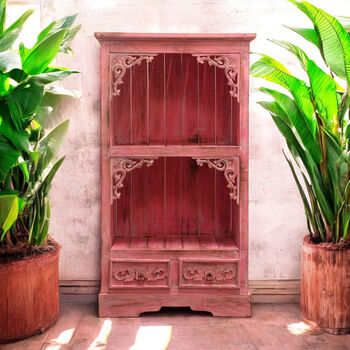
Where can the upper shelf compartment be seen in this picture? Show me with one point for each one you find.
(174, 99)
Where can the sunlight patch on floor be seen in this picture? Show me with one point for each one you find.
(298, 328)
(152, 337)
(100, 341)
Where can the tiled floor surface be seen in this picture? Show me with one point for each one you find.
(273, 326)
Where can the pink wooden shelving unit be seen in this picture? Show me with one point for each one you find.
(174, 155)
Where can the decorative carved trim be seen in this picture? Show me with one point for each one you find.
(140, 275)
(230, 63)
(209, 274)
(120, 63)
(119, 168)
(230, 167)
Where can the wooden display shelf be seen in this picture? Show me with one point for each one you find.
(174, 160)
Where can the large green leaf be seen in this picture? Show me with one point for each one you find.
(296, 119)
(8, 157)
(335, 39)
(2, 16)
(273, 71)
(50, 77)
(8, 211)
(9, 61)
(322, 85)
(50, 144)
(23, 102)
(308, 34)
(41, 55)
(10, 35)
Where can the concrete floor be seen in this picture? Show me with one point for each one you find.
(273, 326)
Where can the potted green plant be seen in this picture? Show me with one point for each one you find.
(313, 116)
(28, 257)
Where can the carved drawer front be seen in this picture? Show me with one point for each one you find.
(139, 274)
(212, 273)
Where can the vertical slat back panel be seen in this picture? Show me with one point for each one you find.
(140, 200)
(206, 200)
(173, 98)
(173, 194)
(121, 112)
(124, 209)
(156, 198)
(222, 109)
(139, 105)
(189, 196)
(222, 205)
(235, 122)
(190, 133)
(206, 87)
(157, 100)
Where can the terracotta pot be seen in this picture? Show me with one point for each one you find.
(29, 298)
(325, 286)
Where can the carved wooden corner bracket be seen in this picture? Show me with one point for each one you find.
(120, 63)
(120, 167)
(230, 167)
(230, 63)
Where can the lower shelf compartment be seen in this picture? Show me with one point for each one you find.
(190, 242)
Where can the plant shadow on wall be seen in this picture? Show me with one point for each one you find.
(314, 119)
(28, 164)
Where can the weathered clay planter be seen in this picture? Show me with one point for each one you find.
(29, 299)
(325, 286)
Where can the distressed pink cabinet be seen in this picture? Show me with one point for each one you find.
(174, 155)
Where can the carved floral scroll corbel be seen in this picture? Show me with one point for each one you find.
(120, 63)
(119, 168)
(230, 167)
(230, 63)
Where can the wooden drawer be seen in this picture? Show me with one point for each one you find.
(208, 273)
(140, 273)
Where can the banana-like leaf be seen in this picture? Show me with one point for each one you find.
(306, 204)
(273, 71)
(50, 77)
(40, 56)
(10, 35)
(8, 211)
(308, 34)
(50, 144)
(8, 155)
(335, 39)
(23, 102)
(322, 85)
(2, 15)
(45, 187)
(9, 61)
(296, 119)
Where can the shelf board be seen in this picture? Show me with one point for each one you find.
(206, 151)
(186, 242)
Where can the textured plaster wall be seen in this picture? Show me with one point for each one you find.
(276, 221)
